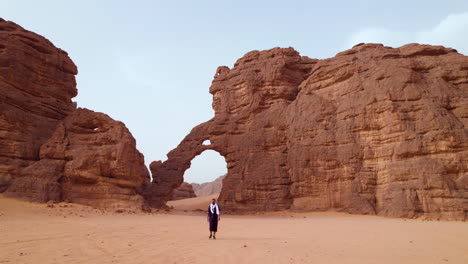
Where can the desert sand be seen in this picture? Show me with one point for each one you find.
(71, 233)
(193, 204)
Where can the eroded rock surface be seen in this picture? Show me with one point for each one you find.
(374, 130)
(89, 159)
(37, 83)
(184, 191)
(49, 150)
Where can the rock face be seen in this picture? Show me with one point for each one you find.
(49, 149)
(184, 191)
(208, 188)
(89, 159)
(37, 83)
(374, 130)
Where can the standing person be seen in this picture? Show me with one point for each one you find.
(213, 218)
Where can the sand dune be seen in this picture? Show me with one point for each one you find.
(70, 233)
(197, 203)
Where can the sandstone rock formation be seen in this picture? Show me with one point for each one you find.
(184, 191)
(89, 159)
(374, 130)
(49, 149)
(208, 188)
(37, 83)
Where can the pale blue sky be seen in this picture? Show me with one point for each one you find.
(150, 63)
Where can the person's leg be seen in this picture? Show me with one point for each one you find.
(215, 227)
(211, 227)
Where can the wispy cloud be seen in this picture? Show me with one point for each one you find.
(450, 32)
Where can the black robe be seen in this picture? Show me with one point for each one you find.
(213, 219)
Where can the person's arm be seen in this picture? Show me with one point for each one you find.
(219, 213)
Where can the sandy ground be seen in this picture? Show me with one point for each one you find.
(70, 233)
(193, 204)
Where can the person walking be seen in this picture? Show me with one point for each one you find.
(213, 218)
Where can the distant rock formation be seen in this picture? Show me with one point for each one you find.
(184, 191)
(373, 130)
(208, 188)
(49, 150)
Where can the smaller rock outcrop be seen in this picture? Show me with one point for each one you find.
(208, 188)
(89, 159)
(184, 191)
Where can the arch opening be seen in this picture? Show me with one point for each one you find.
(205, 174)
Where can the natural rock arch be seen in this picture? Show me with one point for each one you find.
(374, 130)
(236, 138)
(169, 175)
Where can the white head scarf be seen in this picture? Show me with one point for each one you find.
(214, 207)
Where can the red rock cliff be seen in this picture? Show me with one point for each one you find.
(49, 150)
(374, 130)
(37, 83)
